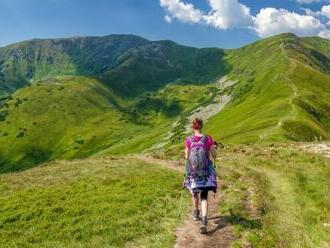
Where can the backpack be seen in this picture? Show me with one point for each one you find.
(198, 159)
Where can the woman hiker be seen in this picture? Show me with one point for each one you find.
(200, 175)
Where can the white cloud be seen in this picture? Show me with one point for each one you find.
(272, 21)
(311, 12)
(227, 14)
(224, 14)
(184, 12)
(325, 11)
(325, 34)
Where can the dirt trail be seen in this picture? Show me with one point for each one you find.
(188, 235)
(295, 93)
(219, 231)
(319, 148)
(173, 165)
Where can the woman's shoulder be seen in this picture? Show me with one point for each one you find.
(188, 139)
(209, 138)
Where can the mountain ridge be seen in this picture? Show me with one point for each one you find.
(91, 56)
(281, 94)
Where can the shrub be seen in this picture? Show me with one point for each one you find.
(3, 116)
(18, 102)
(172, 109)
(20, 134)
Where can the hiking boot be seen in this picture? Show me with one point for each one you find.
(196, 215)
(204, 225)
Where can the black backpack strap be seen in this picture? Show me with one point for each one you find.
(204, 138)
(191, 139)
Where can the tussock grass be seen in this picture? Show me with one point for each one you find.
(290, 202)
(272, 195)
(104, 202)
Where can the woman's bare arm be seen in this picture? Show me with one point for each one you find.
(186, 153)
(213, 152)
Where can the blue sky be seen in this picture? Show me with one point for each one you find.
(201, 23)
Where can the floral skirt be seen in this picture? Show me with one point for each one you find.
(209, 182)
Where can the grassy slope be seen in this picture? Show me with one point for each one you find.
(67, 111)
(281, 94)
(152, 66)
(311, 81)
(129, 64)
(287, 206)
(186, 97)
(106, 202)
(78, 116)
(38, 59)
(48, 120)
(112, 201)
(260, 99)
(271, 200)
(273, 101)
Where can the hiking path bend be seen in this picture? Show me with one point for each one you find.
(187, 233)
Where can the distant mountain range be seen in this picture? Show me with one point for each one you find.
(74, 97)
(129, 64)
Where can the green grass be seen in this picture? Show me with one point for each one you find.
(153, 66)
(128, 64)
(76, 117)
(274, 195)
(106, 202)
(281, 94)
(287, 189)
(260, 99)
(63, 118)
(40, 59)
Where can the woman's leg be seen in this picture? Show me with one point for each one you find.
(204, 211)
(195, 200)
(204, 203)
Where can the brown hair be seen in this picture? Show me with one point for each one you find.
(197, 124)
